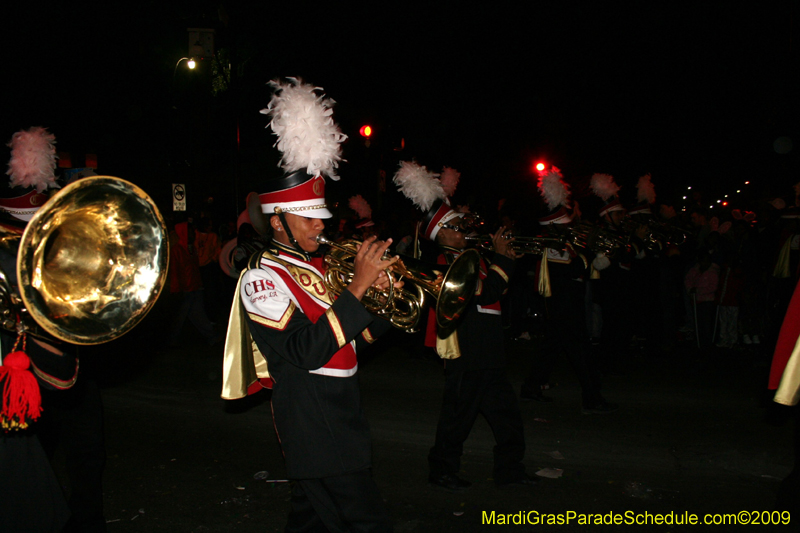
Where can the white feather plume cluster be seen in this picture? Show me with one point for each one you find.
(302, 118)
(553, 189)
(418, 184)
(449, 179)
(645, 190)
(603, 186)
(33, 159)
(360, 206)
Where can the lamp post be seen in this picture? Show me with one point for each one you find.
(190, 63)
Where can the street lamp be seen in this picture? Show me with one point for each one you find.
(190, 63)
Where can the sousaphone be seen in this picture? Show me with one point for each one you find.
(92, 261)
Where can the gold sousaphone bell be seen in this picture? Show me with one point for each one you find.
(403, 307)
(92, 261)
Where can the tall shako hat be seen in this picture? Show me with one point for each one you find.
(362, 208)
(556, 195)
(645, 196)
(420, 185)
(31, 168)
(604, 187)
(310, 143)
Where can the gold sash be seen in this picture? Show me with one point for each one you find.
(544, 277)
(788, 392)
(782, 266)
(243, 363)
(447, 348)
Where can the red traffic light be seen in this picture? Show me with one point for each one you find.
(365, 131)
(539, 166)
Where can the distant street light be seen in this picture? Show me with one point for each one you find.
(190, 63)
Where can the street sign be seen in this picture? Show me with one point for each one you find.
(178, 197)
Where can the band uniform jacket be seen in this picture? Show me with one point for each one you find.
(310, 342)
(480, 332)
(31, 498)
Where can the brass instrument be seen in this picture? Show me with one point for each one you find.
(665, 233)
(403, 307)
(657, 235)
(90, 263)
(583, 235)
(521, 245)
(595, 238)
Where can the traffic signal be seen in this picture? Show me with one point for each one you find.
(365, 131)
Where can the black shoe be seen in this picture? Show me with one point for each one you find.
(534, 394)
(525, 481)
(600, 409)
(449, 482)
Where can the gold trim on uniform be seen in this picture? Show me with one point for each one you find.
(315, 281)
(55, 382)
(274, 324)
(499, 271)
(336, 327)
(479, 288)
(367, 337)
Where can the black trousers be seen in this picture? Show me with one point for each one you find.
(75, 425)
(466, 395)
(565, 333)
(339, 504)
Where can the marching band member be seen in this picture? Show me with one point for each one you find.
(32, 498)
(613, 275)
(562, 274)
(306, 339)
(476, 380)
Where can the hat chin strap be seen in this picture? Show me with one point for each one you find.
(292, 241)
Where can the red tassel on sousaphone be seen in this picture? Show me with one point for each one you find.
(22, 400)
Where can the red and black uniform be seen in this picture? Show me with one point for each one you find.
(310, 342)
(31, 498)
(566, 330)
(477, 383)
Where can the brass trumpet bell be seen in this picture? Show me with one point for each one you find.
(93, 260)
(457, 288)
(403, 307)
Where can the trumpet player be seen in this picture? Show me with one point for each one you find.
(611, 275)
(476, 381)
(564, 289)
(308, 340)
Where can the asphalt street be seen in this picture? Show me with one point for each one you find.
(694, 434)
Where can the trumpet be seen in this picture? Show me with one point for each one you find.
(403, 307)
(593, 237)
(657, 234)
(521, 245)
(584, 235)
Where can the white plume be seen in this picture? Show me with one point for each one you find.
(603, 186)
(33, 159)
(645, 191)
(360, 206)
(449, 179)
(418, 184)
(553, 189)
(302, 118)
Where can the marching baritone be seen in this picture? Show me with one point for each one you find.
(562, 274)
(309, 343)
(476, 380)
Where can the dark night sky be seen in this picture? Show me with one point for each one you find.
(691, 94)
